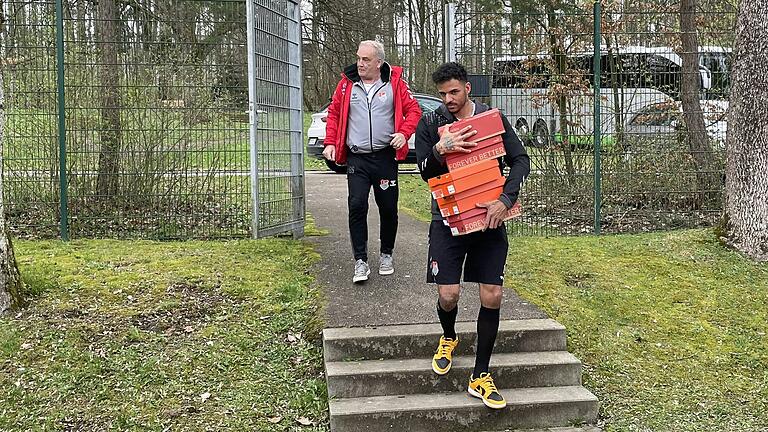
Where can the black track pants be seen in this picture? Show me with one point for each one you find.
(379, 170)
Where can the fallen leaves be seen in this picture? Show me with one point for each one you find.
(305, 421)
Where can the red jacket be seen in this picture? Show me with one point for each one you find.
(407, 111)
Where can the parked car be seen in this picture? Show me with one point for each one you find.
(663, 120)
(316, 132)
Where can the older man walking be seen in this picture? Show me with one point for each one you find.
(371, 117)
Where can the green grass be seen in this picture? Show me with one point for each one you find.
(134, 335)
(152, 140)
(129, 335)
(670, 326)
(414, 196)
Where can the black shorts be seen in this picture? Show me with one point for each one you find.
(485, 253)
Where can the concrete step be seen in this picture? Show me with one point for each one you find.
(420, 340)
(555, 429)
(458, 411)
(412, 376)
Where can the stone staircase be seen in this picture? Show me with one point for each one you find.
(381, 379)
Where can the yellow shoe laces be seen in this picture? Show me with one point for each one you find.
(445, 346)
(487, 382)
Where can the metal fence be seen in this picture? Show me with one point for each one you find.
(621, 108)
(167, 135)
(135, 120)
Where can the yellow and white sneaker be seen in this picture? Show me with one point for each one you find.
(484, 388)
(441, 361)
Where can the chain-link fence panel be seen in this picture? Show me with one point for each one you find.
(31, 148)
(155, 102)
(666, 80)
(659, 164)
(526, 63)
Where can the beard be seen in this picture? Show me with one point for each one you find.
(455, 107)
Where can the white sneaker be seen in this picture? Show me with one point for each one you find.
(361, 271)
(386, 267)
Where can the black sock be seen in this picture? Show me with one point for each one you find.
(448, 321)
(487, 328)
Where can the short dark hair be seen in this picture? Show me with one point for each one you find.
(448, 71)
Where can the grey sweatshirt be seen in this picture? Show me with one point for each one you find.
(371, 117)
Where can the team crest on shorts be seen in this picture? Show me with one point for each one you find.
(435, 269)
(384, 184)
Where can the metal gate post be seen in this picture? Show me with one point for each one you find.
(296, 125)
(597, 125)
(63, 197)
(449, 32)
(253, 116)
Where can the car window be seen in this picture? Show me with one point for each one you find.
(656, 115)
(427, 104)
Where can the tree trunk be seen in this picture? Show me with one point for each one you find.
(10, 280)
(388, 27)
(560, 67)
(746, 185)
(111, 130)
(698, 142)
(618, 94)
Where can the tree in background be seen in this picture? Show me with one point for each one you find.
(110, 126)
(698, 142)
(10, 280)
(746, 184)
(331, 29)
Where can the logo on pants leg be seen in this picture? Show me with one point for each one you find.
(385, 184)
(435, 269)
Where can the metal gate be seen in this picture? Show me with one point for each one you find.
(277, 144)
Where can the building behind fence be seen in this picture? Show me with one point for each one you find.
(156, 104)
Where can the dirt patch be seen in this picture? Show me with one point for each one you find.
(191, 306)
(80, 425)
(179, 312)
(579, 279)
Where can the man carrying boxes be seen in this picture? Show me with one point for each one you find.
(458, 147)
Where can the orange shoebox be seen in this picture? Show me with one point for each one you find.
(487, 124)
(468, 199)
(474, 220)
(465, 178)
(490, 148)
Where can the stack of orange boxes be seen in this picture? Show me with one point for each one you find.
(472, 177)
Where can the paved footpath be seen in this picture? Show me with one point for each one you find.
(401, 298)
